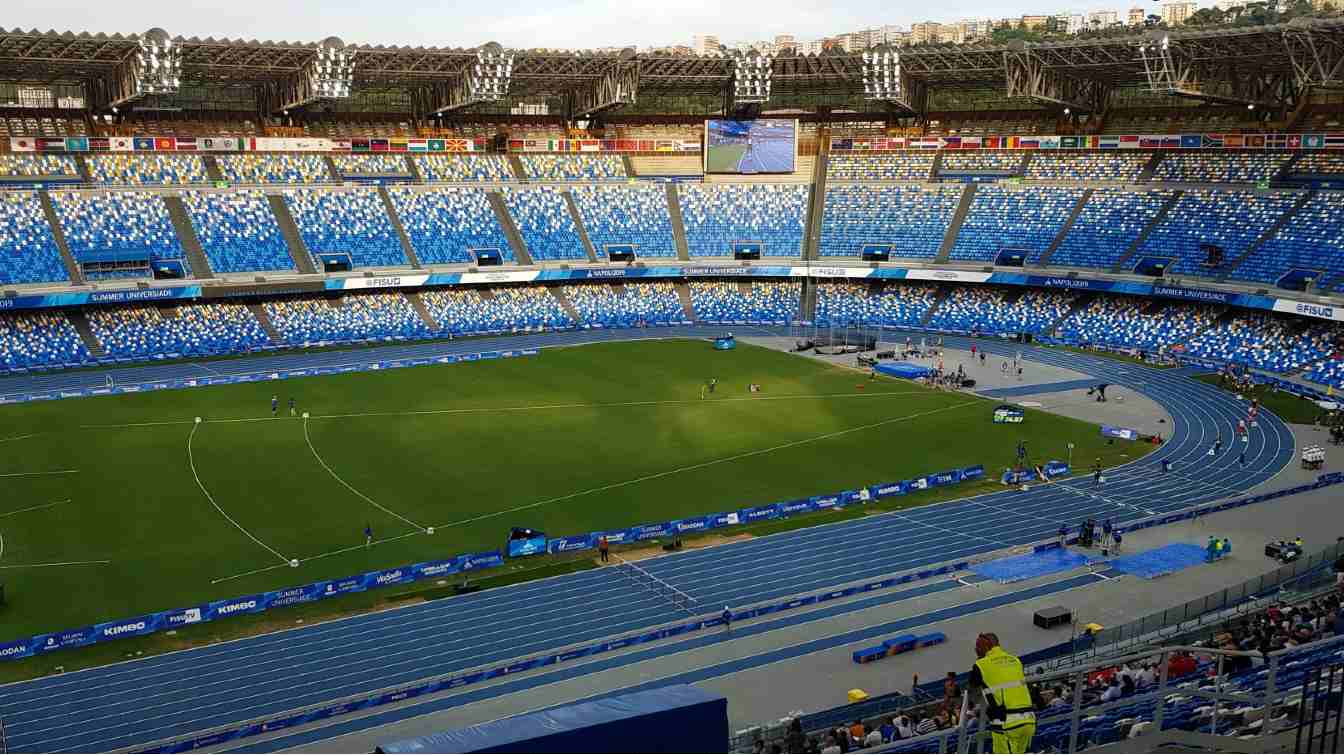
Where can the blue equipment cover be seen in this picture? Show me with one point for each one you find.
(903, 370)
(678, 718)
(1160, 561)
(1038, 564)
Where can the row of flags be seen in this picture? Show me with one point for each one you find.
(1117, 141)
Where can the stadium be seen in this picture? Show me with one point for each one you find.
(360, 398)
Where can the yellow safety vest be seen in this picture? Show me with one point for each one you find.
(1006, 684)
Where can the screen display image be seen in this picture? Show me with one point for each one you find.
(758, 146)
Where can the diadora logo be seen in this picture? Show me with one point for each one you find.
(245, 605)
(391, 576)
(120, 629)
(1315, 310)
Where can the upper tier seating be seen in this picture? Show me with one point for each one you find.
(238, 231)
(1220, 167)
(352, 221)
(1319, 164)
(31, 340)
(1002, 217)
(38, 166)
(146, 170)
(28, 252)
(446, 223)
(1087, 166)
(1109, 223)
(1312, 240)
(894, 304)
(380, 164)
(269, 168)
(574, 167)
(913, 218)
(1132, 321)
(996, 311)
(626, 215)
(717, 215)
(894, 166)
(624, 306)
(464, 311)
(493, 168)
(761, 301)
(545, 223)
(981, 161)
(1231, 219)
(195, 330)
(121, 225)
(355, 317)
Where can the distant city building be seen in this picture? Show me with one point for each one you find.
(925, 32)
(813, 47)
(1177, 12)
(1034, 22)
(1102, 19)
(785, 42)
(1136, 16)
(705, 44)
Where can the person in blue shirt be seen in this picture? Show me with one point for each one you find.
(275, 404)
(291, 406)
(368, 535)
(727, 618)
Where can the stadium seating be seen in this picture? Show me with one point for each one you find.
(350, 221)
(139, 332)
(1220, 167)
(38, 340)
(912, 218)
(1108, 224)
(353, 317)
(123, 225)
(624, 306)
(758, 301)
(999, 311)
(627, 215)
(380, 164)
(1328, 371)
(1231, 219)
(892, 166)
(28, 252)
(574, 167)
(1265, 342)
(238, 231)
(1136, 322)
(1319, 164)
(1312, 240)
(146, 170)
(271, 168)
(494, 168)
(982, 161)
(715, 216)
(894, 304)
(464, 311)
(1024, 219)
(1087, 166)
(446, 223)
(545, 223)
(38, 166)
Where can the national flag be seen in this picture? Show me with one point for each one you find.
(77, 144)
(1009, 142)
(1260, 141)
(608, 145)
(645, 145)
(1313, 141)
(460, 145)
(1294, 141)
(1028, 142)
(122, 144)
(99, 144)
(396, 145)
(1108, 142)
(417, 145)
(377, 145)
(990, 142)
(359, 145)
(952, 142)
(22, 144)
(1233, 141)
(1191, 141)
(51, 144)
(436, 145)
(1069, 142)
(144, 144)
(1334, 141)
(593, 145)
(1130, 141)
(186, 143)
(165, 143)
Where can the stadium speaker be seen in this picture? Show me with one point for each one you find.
(1054, 616)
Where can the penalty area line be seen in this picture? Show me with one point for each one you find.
(55, 563)
(305, 560)
(347, 485)
(34, 508)
(40, 474)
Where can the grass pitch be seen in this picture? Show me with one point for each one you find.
(124, 518)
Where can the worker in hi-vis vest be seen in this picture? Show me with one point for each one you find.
(999, 677)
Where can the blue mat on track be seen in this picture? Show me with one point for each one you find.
(903, 370)
(1016, 568)
(1159, 561)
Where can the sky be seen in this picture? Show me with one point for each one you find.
(514, 23)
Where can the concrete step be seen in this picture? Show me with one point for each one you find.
(71, 266)
(954, 228)
(517, 165)
(1064, 229)
(678, 226)
(186, 233)
(401, 229)
(684, 294)
(520, 252)
(422, 310)
(1150, 167)
(212, 168)
(578, 223)
(259, 312)
(81, 323)
(943, 293)
(298, 251)
(558, 294)
(1147, 231)
(1274, 228)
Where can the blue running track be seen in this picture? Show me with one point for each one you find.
(134, 703)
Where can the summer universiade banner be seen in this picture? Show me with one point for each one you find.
(457, 680)
(248, 604)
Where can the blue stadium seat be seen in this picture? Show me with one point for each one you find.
(1231, 219)
(630, 305)
(1108, 224)
(238, 231)
(28, 252)
(38, 166)
(462, 168)
(274, 168)
(352, 221)
(1026, 218)
(195, 330)
(1000, 311)
(1137, 322)
(716, 215)
(600, 167)
(353, 317)
(544, 221)
(758, 301)
(1220, 167)
(1266, 342)
(146, 170)
(981, 161)
(1087, 166)
(890, 166)
(893, 304)
(467, 311)
(1313, 239)
(37, 340)
(117, 226)
(912, 218)
(627, 215)
(446, 223)
(379, 164)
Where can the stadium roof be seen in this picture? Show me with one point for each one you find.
(1307, 51)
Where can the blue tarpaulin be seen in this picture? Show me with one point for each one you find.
(1159, 561)
(903, 370)
(1015, 568)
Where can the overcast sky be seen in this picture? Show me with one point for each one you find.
(513, 23)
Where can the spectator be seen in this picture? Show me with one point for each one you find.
(857, 731)
(873, 739)
(926, 726)
(904, 730)
(831, 746)
(888, 731)
(795, 740)
(1112, 691)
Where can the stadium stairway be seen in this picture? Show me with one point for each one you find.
(807, 308)
(1274, 228)
(943, 293)
(936, 166)
(1079, 303)
(684, 294)
(678, 227)
(396, 223)
(414, 298)
(1160, 216)
(331, 166)
(58, 233)
(1065, 228)
(562, 299)
(186, 233)
(816, 204)
(1288, 167)
(578, 224)
(264, 319)
(85, 331)
(520, 253)
(954, 228)
(629, 165)
(1150, 168)
(416, 175)
(298, 251)
(1025, 164)
(83, 167)
(212, 168)
(516, 165)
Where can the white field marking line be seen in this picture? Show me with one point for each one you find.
(2, 544)
(19, 437)
(702, 465)
(191, 458)
(33, 508)
(350, 487)
(56, 563)
(318, 556)
(40, 474)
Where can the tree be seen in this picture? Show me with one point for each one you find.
(1152, 21)
(1206, 17)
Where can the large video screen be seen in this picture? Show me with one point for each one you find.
(759, 146)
